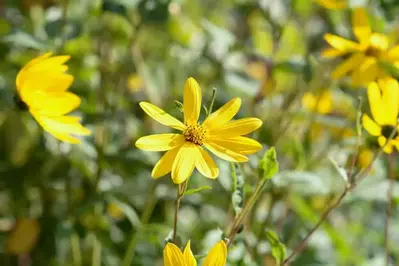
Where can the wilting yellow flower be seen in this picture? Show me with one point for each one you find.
(217, 133)
(384, 104)
(173, 256)
(322, 103)
(42, 88)
(365, 56)
(333, 4)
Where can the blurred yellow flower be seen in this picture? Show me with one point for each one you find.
(333, 4)
(42, 88)
(173, 256)
(322, 103)
(23, 237)
(217, 133)
(384, 104)
(115, 211)
(365, 157)
(365, 55)
(135, 83)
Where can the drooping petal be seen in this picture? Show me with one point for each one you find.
(375, 102)
(348, 65)
(386, 147)
(238, 127)
(184, 163)
(371, 127)
(241, 145)
(164, 165)
(62, 127)
(172, 255)
(223, 115)
(192, 99)
(160, 142)
(390, 99)
(161, 116)
(331, 52)
(366, 72)
(217, 256)
(205, 164)
(188, 255)
(361, 26)
(340, 43)
(224, 153)
(51, 104)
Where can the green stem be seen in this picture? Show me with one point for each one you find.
(214, 90)
(96, 259)
(75, 249)
(181, 189)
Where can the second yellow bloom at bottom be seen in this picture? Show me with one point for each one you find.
(173, 256)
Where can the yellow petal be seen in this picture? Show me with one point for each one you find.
(372, 127)
(52, 104)
(223, 115)
(205, 164)
(62, 127)
(379, 41)
(390, 99)
(365, 73)
(217, 256)
(160, 142)
(164, 165)
(393, 53)
(172, 256)
(184, 163)
(361, 26)
(348, 65)
(238, 127)
(375, 102)
(340, 43)
(192, 101)
(331, 52)
(34, 61)
(332, 4)
(386, 147)
(161, 116)
(241, 145)
(189, 258)
(224, 153)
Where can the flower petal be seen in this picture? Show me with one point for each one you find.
(241, 145)
(225, 153)
(189, 258)
(205, 164)
(371, 127)
(161, 116)
(361, 26)
(331, 52)
(348, 65)
(51, 104)
(390, 99)
(393, 53)
(365, 73)
(192, 99)
(160, 142)
(184, 163)
(238, 127)
(223, 115)
(164, 165)
(386, 147)
(340, 43)
(20, 76)
(172, 255)
(375, 103)
(217, 256)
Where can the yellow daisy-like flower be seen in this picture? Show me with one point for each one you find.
(365, 55)
(173, 256)
(384, 105)
(322, 104)
(217, 133)
(42, 86)
(333, 4)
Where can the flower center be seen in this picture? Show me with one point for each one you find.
(373, 51)
(195, 134)
(387, 131)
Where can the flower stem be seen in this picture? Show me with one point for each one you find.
(180, 194)
(214, 90)
(391, 174)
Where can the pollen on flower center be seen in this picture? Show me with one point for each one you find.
(388, 130)
(195, 134)
(373, 51)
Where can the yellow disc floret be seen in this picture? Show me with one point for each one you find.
(195, 134)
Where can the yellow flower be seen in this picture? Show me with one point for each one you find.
(42, 88)
(217, 133)
(333, 4)
(365, 157)
(364, 55)
(173, 256)
(322, 104)
(384, 104)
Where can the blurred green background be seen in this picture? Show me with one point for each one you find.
(96, 204)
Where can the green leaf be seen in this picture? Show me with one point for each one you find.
(196, 190)
(277, 248)
(268, 166)
(341, 171)
(128, 210)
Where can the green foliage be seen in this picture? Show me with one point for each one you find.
(268, 165)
